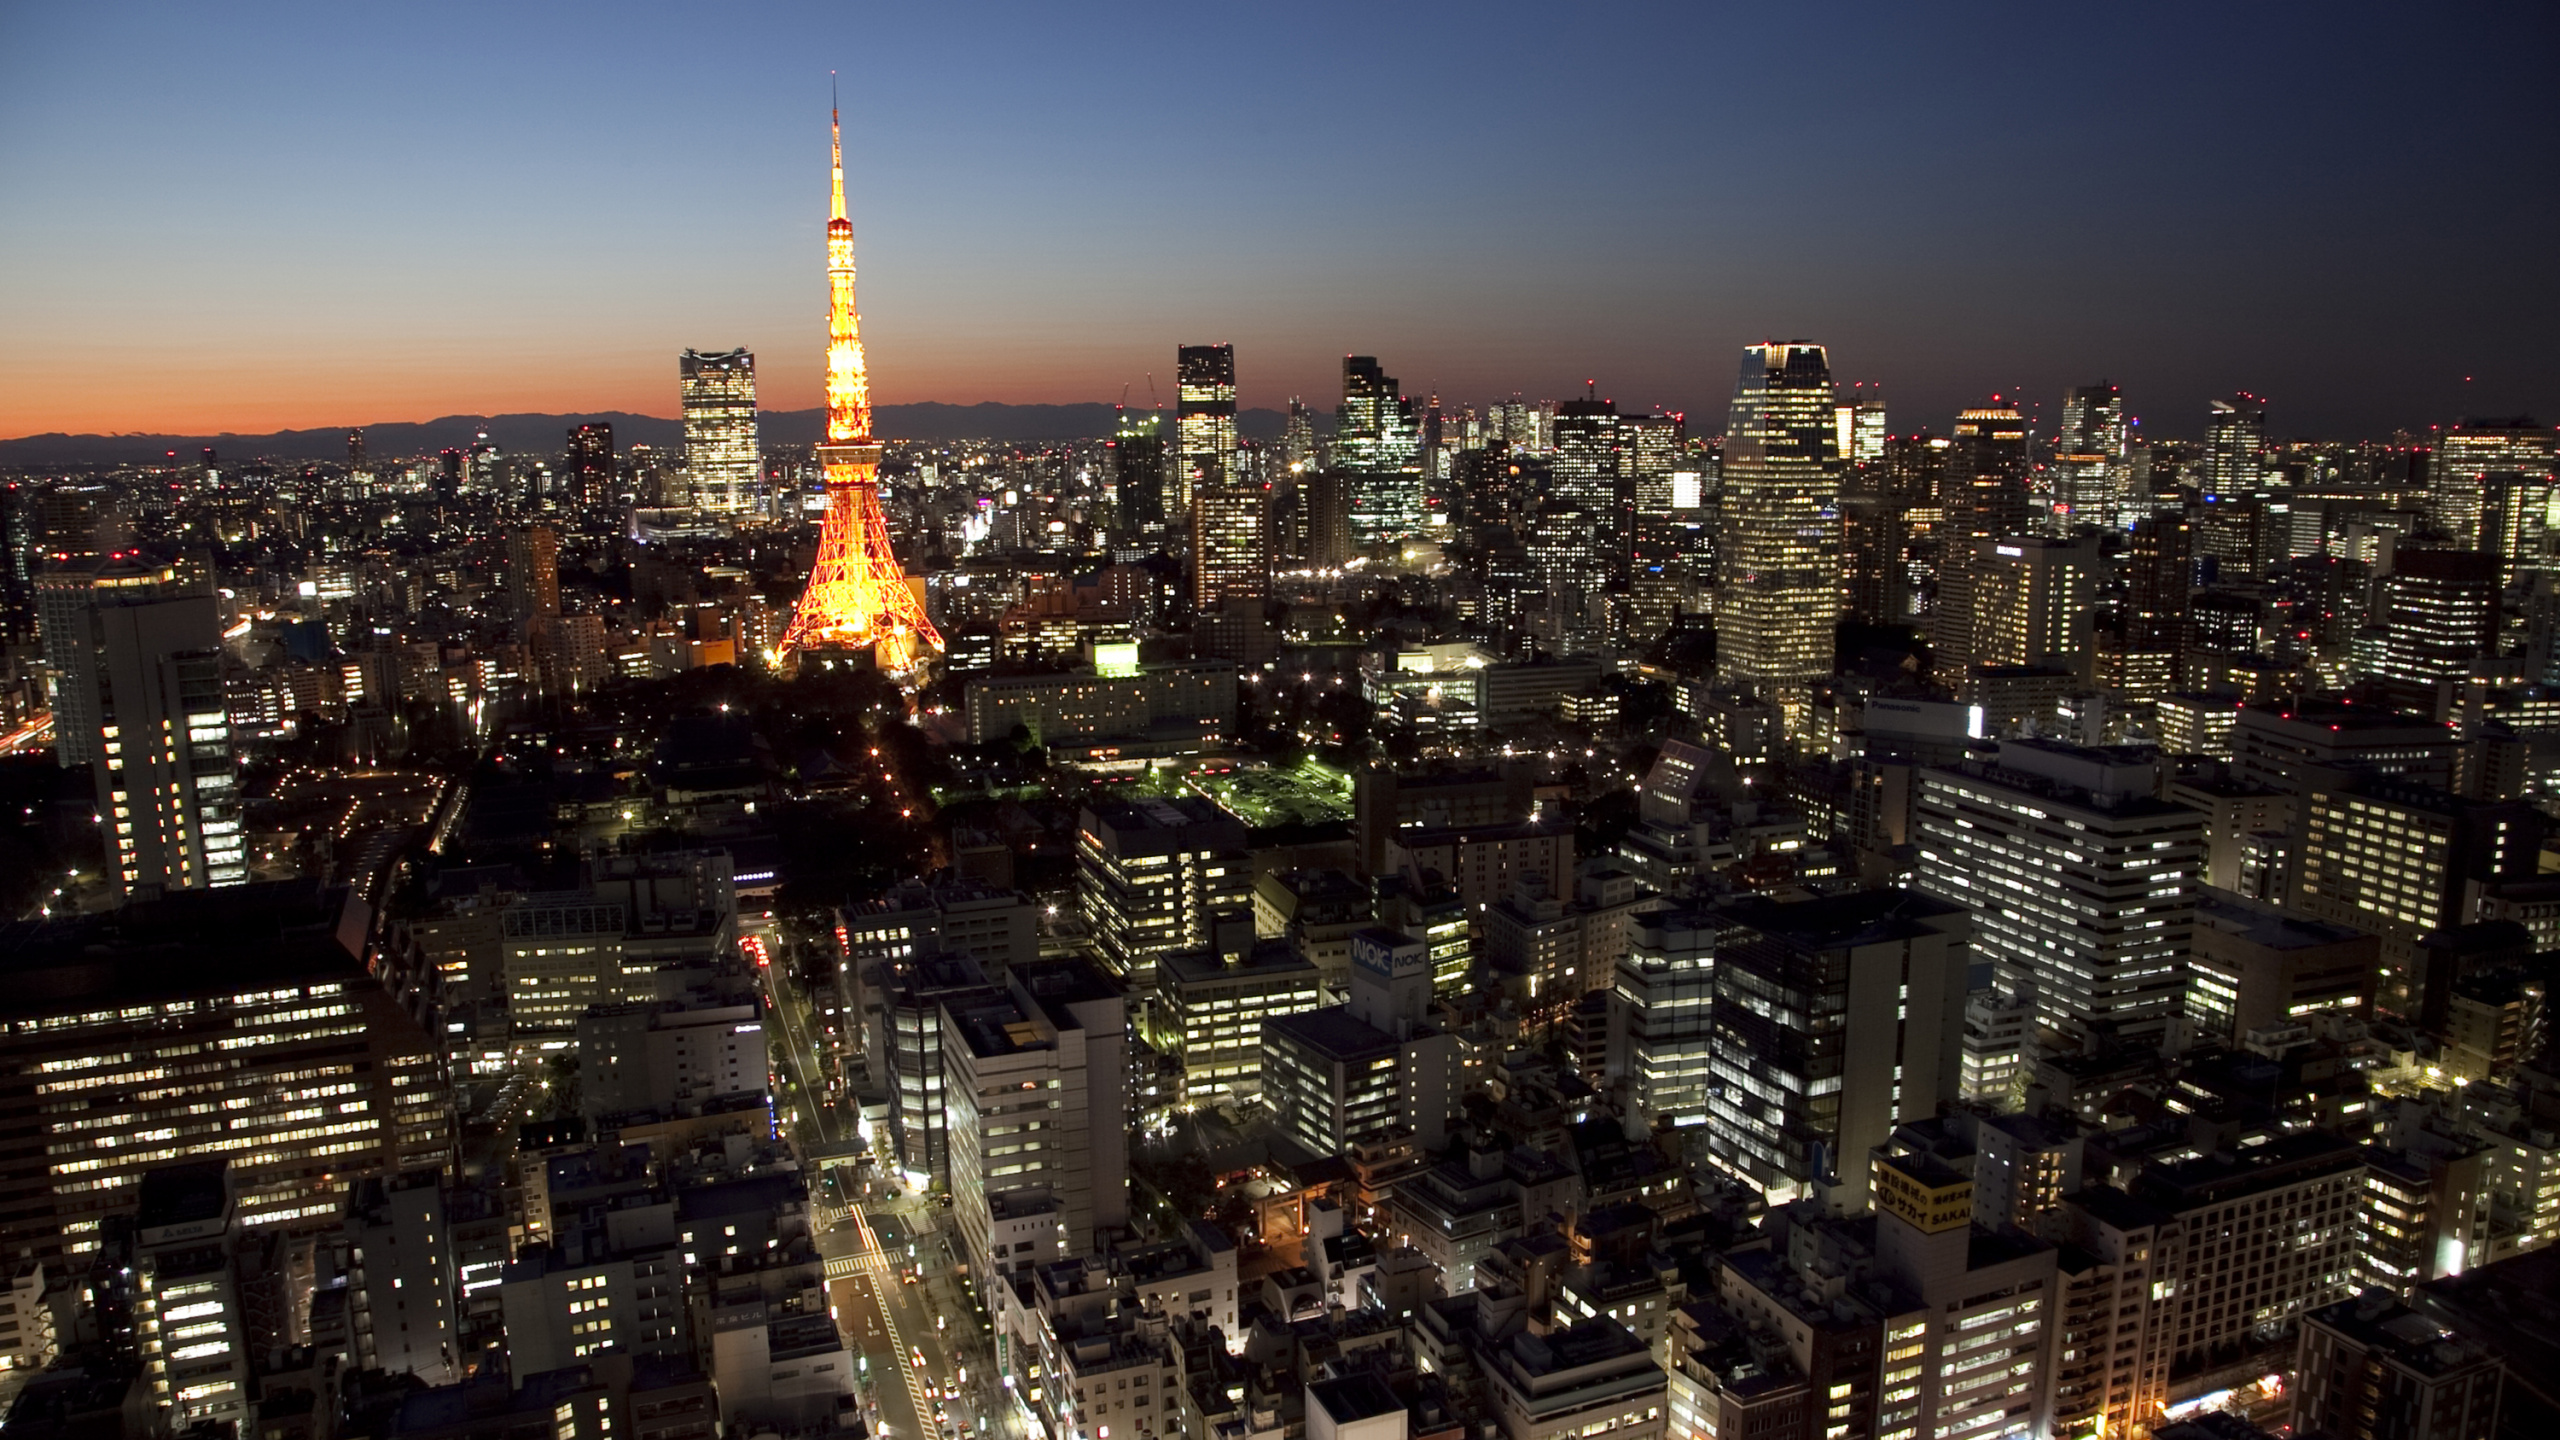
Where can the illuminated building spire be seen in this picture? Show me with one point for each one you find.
(848, 385)
(858, 596)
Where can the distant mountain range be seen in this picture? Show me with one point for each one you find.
(544, 434)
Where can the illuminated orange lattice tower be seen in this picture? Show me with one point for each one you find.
(858, 596)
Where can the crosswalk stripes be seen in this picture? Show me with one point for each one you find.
(841, 1266)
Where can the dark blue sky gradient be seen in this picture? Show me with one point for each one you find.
(243, 217)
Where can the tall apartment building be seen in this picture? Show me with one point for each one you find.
(1662, 1015)
(2081, 882)
(1778, 560)
(134, 647)
(403, 1272)
(906, 1051)
(1149, 874)
(1835, 1020)
(2235, 439)
(2033, 596)
(249, 1004)
(1036, 1080)
(591, 480)
(2092, 473)
(723, 460)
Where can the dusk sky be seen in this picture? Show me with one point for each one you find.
(249, 217)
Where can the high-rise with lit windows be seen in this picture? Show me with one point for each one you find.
(1377, 445)
(591, 477)
(1230, 542)
(2082, 883)
(722, 459)
(2235, 437)
(135, 648)
(236, 1023)
(1778, 564)
(2474, 454)
(1150, 873)
(1204, 419)
(1984, 492)
(2439, 620)
(2091, 475)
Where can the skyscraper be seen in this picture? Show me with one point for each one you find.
(2510, 453)
(1230, 542)
(1862, 428)
(1835, 1020)
(1778, 559)
(1589, 458)
(1985, 495)
(2440, 617)
(2032, 597)
(1205, 417)
(1374, 425)
(2235, 435)
(135, 648)
(2159, 574)
(1298, 440)
(1375, 442)
(722, 459)
(2091, 476)
(1137, 475)
(590, 464)
(355, 454)
(533, 575)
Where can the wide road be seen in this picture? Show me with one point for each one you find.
(872, 1243)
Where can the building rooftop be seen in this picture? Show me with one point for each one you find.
(182, 1194)
(1354, 1397)
(1590, 1343)
(2228, 1175)
(1333, 1033)
(190, 944)
(2381, 1324)
(1266, 960)
(1864, 918)
(2264, 925)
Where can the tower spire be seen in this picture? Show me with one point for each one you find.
(835, 133)
(858, 596)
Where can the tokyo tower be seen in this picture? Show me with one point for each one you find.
(858, 596)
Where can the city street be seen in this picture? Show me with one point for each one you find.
(871, 1246)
